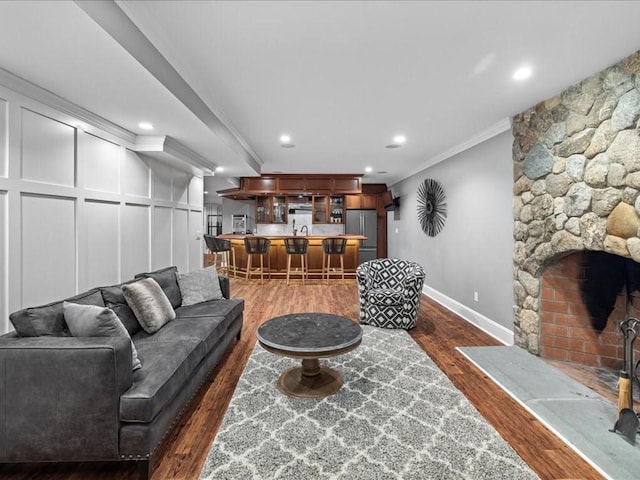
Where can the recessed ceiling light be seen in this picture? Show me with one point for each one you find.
(399, 139)
(368, 169)
(285, 141)
(522, 73)
(219, 169)
(146, 126)
(206, 192)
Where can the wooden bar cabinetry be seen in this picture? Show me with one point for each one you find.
(278, 255)
(271, 209)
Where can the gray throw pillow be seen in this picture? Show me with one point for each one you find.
(199, 286)
(149, 303)
(94, 321)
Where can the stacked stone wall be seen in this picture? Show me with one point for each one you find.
(577, 182)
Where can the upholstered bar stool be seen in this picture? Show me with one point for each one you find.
(297, 246)
(222, 247)
(257, 246)
(333, 247)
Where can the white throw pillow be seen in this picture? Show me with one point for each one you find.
(95, 321)
(199, 286)
(149, 303)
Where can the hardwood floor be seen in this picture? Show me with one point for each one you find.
(438, 332)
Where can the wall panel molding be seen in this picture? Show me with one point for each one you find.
(86, 215)
(4, 253)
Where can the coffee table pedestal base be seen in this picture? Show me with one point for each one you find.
(310, 380)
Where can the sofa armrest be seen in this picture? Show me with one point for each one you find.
(60, 397)
(224, 286)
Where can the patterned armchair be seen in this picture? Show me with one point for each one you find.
(389, 291)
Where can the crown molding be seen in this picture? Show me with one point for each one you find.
(166, 145)
(50, 99)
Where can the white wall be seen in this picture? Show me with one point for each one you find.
(474, 250)
(78, 209)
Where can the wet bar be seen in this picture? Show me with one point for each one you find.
(278, 255)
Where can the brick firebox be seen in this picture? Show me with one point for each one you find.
(566, 329)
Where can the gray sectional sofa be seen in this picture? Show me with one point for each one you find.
(67, 399)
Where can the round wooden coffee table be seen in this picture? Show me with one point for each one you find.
(310, 336)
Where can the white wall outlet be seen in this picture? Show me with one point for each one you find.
(475, 296)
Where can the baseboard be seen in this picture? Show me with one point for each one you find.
(497, 331)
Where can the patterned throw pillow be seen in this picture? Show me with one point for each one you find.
(199, 286)
(94, 321)
(149, 303)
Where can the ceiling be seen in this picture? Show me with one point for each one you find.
(226, 78)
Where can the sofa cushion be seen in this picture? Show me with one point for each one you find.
(48, 320)
(166, 278)
(168, 357)
(94, 321)
(149, 303)
(114, 299)
(229, 309)
(199, 286)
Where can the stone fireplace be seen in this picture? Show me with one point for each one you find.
(576, 202)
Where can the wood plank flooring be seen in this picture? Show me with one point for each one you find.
(438, 332)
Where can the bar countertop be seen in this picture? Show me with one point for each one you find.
(278, 258)
(231, 236)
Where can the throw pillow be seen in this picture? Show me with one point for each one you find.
(114, 299)
(48, 320)
(166, 278)
(94, 321)
(149, 303)
(199, 286)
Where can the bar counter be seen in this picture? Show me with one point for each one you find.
(278, 255)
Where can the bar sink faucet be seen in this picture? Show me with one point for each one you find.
(304, 229)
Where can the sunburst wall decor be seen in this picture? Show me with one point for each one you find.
(432, 207)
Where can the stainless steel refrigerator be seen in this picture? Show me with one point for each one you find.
(364, 222)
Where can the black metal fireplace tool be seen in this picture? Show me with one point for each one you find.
(627, 420)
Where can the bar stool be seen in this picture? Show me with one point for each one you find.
(257, 246)
(297, 246)
(223, 247)
(333, 246)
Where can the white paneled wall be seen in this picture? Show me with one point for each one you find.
(181, 239)
(101, 240)
(136, 229)
(100, 163)
(161, 238)
(79, 209)
(4, 280)
(48, 260)
(48, 150)
(4, 111)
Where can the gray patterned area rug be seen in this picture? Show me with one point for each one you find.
(396, 417)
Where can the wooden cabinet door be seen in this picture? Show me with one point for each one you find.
(287, 184)
(279, 209)
(347, 185)
(369, 202)
(260, 184)
(352, 201)
(320, 209)
(263, 209)
(318, 185)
